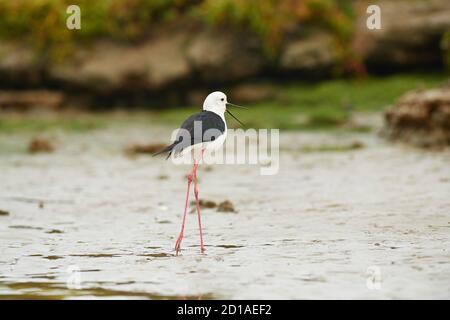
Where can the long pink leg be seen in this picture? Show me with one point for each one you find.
(202, 248)
(180, 237)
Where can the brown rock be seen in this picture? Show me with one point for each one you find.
(108, 65)
(205, 204)
(30, 99)
(410, 33)
(144, 148)
(19, 65)
(421, 118)
(4, 213)
(15, 57)
(40, 145)
(222, 56)
(310, 53)
(226, 206)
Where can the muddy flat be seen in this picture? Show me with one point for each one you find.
(365, 219)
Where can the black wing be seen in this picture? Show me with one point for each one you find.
(211, 125)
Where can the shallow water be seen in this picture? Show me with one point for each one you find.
(320, 228)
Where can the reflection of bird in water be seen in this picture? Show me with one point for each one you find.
(201, 133)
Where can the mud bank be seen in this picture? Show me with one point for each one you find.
(366, 222)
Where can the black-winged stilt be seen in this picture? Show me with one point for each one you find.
(202, 132)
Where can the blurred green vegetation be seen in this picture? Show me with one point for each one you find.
(42, 22)
(446, 48)
(272, 19)
(324, 105)
(327, 105)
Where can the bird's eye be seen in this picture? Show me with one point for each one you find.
(223, 99)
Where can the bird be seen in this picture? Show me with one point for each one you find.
(202, 132)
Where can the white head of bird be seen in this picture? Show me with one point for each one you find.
(216, 102)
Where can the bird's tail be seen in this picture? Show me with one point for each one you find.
(167, 149)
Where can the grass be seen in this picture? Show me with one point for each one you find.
(324, 105)
(297, 106)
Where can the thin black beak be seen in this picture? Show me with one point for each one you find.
(228, 111)
(236, 106)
